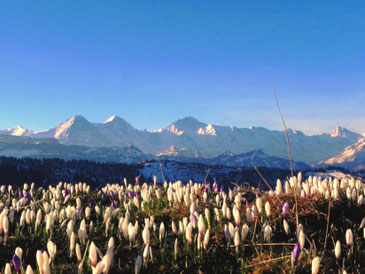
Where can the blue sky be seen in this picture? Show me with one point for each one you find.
(152, 62)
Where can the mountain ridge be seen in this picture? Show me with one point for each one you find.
(196, 139)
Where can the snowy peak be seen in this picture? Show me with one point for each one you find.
(173, 129)
(339, 132)
(344, 133)
(352, 157)
(115, 119)
(208, 130)
(188, 124)
(20, 131)
(61, 131)
(118, 123)
(17, 131)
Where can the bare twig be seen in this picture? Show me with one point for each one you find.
(206, 176)
(162, 175)
(286, 132)
(289, 155)
(328, 222)
(268, 261)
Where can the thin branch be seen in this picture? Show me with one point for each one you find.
(206, 176)
(286, 132)
(290, 157)
(163, 177)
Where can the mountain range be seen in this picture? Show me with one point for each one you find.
(187, 140)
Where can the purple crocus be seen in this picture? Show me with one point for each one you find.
(27, 196)
(114, 204)
(65, 193)
(103, 197)
(137, 179)
(16, 262)
(111, 194)
(281, 206)
(216, 188)
(295, 254)
(20, 193)
(138, 196)
(130, 194)
(91, 203)
(285, 209)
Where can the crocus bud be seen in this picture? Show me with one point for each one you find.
(206, 239)
(39, 257)
(259, 204)
(146, 235)
(267, 232)
(78, 253)
(175, 249)
(268, 209)
(237, 240)
(19, 252)
(286, 227)
(173, 226)
(295, 253)
(338, 250)
(52, 248)
(201, 226)
(7, 269)
(301, 238)
(17, 263)
(315, 265)
(29, 270)
(93, 255)
(146, 252)
(188, 233)
(244, 232)
(72, 243)
(162, 232)
(349, 237)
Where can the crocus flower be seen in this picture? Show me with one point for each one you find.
(268, 209)
(114, 204)
(130, 194)
(338, 250)
(146, 252)
(93, 256)
(349, 237)
(17, 263)
(91, 203)
(295, 254)
(285, 209)
(315, 265)
(7, 269)
(111, 194)
(29, 270)
(138, 196)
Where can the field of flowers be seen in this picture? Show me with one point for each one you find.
(303, 225)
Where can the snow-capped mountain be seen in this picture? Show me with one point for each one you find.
(17, 131)
(352, 157)
(191, 138)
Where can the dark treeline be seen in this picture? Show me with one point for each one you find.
(17, 171)
(44, 172)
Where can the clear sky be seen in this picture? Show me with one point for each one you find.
(152, 62)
